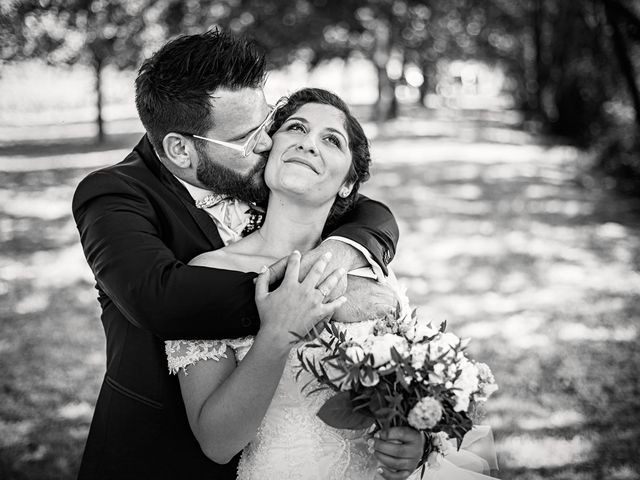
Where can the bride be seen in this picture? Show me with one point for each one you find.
(243, 394)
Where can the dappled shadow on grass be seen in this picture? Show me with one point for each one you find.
(412, 123)
(69, 145)
(52, 359)
(542, 275)
(497, 239)
(51, 343)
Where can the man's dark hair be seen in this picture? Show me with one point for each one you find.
(174, 85)
(358, 143)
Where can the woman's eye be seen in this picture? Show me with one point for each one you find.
(296, 127)
(335, 140)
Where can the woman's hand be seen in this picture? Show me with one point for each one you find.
(399, 451)
(297, 305)
(342, 255)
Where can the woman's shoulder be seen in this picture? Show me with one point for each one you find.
(214, 258)
(231, 258)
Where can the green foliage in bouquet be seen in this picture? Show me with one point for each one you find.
(392, 378)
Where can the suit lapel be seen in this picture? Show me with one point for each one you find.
(201, 217)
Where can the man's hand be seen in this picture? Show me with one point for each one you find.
(399, 450)
(342, 255)
(367, 299)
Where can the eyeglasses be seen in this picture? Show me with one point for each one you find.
(250, 143)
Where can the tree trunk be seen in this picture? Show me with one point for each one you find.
(424, 88)
(626, 66)
(538, 18)
(97, 70)
(386, 92)
(384, 109)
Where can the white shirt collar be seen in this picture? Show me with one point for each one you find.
(197, 193)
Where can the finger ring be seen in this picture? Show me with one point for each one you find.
(324, 294)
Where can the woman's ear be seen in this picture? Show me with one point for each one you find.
(345, 190)
(176, 150)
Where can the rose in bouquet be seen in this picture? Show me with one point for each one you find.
(403, 371)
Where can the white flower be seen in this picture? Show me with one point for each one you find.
(370, 380)
(486, 382)
(423, 330)
(355, 353)
(380, 347)
(425, 414)
(437, 377)
(450, 339)
(337, 376)
(440, 442)
(418, 353)
(443, 344)
(466, 383)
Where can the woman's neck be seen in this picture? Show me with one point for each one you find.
(289, 225)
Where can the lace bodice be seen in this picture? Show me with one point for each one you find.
(291, 442)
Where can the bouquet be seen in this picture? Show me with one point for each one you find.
(403, 371)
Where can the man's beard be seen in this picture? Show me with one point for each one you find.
(225, 181)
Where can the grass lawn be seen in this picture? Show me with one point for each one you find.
(497, 237)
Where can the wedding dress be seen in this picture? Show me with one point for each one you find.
(292, 442)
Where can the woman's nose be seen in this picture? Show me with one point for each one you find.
(307, 143)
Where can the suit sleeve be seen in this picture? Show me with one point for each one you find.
(122, 242)
(372, 225)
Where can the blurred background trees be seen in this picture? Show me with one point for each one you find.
(571, 68)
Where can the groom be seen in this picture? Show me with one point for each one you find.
(183, 190)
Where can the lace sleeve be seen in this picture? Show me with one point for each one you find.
(182, 353)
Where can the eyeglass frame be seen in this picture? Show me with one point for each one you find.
(247, 147)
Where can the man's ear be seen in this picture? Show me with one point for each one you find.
(177, 150)
(345, 190)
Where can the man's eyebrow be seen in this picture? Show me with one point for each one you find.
(247, 132)
(243, 134)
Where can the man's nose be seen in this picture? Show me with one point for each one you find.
(264, 143)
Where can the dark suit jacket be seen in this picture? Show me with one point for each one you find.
(139, 227)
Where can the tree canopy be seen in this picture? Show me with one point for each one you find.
(572, 66)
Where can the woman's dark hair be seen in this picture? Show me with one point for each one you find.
(358, 143)
(173, 86)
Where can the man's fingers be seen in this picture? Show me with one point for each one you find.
(293, 267)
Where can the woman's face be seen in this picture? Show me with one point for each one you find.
(310, 154)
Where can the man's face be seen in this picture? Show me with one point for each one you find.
(223, 170)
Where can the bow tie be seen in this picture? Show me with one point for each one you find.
(233, 217)
(211, 200)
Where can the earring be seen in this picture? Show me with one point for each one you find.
(344, 193)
